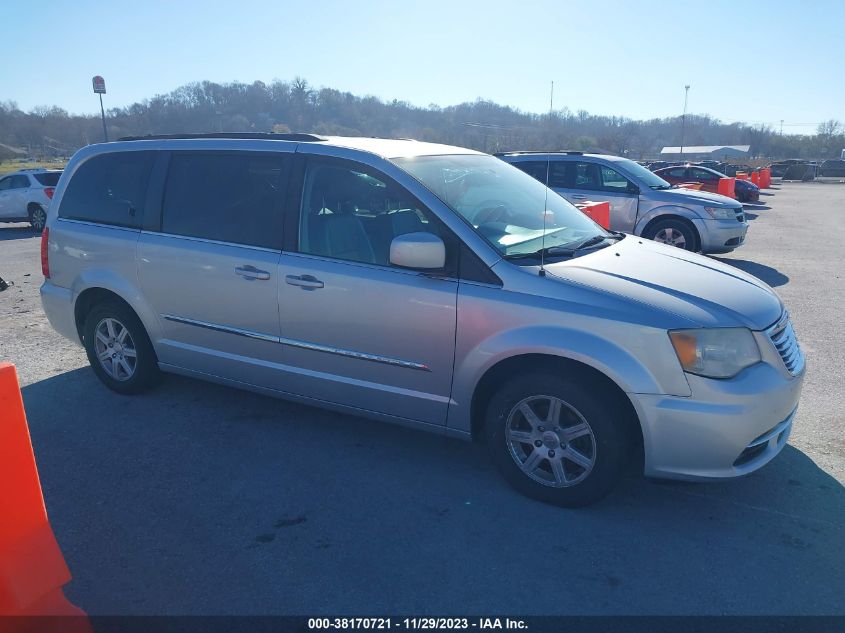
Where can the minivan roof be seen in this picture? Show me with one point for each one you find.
(386, 148)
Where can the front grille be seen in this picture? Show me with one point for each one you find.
(783, 338)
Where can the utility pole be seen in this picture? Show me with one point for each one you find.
(781, 127)
(684, 120)
(552, 100)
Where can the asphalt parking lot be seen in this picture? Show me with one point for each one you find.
(198, 499)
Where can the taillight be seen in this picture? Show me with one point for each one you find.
(45, 261)
(49, 191)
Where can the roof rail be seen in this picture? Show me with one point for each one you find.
(301, 138)
(540, 151)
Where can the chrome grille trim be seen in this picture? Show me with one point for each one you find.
(782, 335)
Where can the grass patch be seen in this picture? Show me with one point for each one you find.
(7, 166)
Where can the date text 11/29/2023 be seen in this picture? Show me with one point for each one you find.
(429, 624)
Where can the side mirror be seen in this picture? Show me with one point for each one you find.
(421, 251)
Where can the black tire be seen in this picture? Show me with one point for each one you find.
(37, 217)
(582, 402)
(145, 372)
(669, 228)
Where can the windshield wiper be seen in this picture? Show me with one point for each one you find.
(567, 251)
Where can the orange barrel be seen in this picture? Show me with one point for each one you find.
(727, 187)
(755, 178)
(32, 568)
(765, 178)
(599, 212)
(741, 175)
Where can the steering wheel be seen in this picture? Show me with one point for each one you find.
(490, 211)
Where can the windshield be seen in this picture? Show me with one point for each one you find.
(502, 203)
(646, 177)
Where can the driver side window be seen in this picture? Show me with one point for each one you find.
(350, 213)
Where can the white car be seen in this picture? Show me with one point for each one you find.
(26, 194)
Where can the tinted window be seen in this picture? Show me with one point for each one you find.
(5, 184)
(350, 214)
(676, 172)
(703, 174)
(19, 182)
(226, 197)
(560, 174)
(612, 180)
(534, 168)
(109, 189)
(50, 179)
(555, 170)
(586, 176)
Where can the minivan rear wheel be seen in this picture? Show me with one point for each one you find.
(555, 439)
(119, 349)
(674, 233)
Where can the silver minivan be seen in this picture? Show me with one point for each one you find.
(641, 202)
(425, 285)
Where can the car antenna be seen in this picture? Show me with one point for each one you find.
(542, 272)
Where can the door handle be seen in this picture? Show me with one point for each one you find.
(578, 196)
(251, 273)
(306, 282)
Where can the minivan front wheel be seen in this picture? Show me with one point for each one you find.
(119, 349)
(556, 440)
(673, 233)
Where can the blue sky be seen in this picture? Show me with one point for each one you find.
(752, 61)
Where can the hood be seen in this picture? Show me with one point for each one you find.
(692, 196)
(702, 291)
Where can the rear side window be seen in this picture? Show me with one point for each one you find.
(534, 168)
(50, 179)
(109, 189)
(556, 171)
(234, 197)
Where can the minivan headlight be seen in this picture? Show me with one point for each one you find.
(717, 352)
(721, 213)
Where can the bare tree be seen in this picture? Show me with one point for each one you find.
(829, 128)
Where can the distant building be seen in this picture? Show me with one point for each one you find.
(715, 152)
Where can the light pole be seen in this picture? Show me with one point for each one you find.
(100, 89)
(684, 120)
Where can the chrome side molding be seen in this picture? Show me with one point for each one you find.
(316, 347)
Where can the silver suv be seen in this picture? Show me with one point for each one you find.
(425, 285)
(641, 202)
(26, 194)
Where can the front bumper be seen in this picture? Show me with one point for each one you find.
(720, 236)
(727, 428)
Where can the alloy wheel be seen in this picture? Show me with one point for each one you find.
(39, 218)
(550, 441)
(115, 349)
(671, 236)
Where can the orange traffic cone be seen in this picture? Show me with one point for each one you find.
(32, 568)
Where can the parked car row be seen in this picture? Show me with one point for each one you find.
(434, 287)
(709, 180)
(641, 201)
